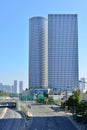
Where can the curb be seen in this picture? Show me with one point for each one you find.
(27, 122)
(30, 120)
(69, 117)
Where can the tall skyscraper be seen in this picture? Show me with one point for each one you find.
(53, 52)
(14, 87)
(38, 52)
(20, 86)
(63, 51)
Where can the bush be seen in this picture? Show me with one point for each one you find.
(74, 116)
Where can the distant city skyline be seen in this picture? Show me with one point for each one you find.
(15, 87)
(14, 34)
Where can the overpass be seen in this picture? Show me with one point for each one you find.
(9, 104)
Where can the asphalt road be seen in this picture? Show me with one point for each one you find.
(1, 109)
(44, 118)
(11, 120)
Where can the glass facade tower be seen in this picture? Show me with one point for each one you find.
(62, 51)
(38, 52)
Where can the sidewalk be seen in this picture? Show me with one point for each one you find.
(78, 125)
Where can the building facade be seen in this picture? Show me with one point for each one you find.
(14, 87)
(38, 52)
(20, 86)
(83, 85)
(63, 51)
(53, 52)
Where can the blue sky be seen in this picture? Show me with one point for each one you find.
(14, 33)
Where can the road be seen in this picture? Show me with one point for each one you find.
(1, 109)
(44, 118)
(11, 120)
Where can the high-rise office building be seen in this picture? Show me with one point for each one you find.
(14, 87)
(20, 86)
(63, 51)
(1, 86)
(53, 52)
(38, 52)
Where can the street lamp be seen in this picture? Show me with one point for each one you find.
(82, 82)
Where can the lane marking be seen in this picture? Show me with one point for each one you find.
(3, 113)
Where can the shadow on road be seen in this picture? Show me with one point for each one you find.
(51, 123)
(11, 124)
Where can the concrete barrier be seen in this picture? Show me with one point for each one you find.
(23, 107)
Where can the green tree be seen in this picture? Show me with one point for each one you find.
(74, 101)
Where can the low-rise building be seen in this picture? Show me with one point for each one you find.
(83, 96)
(83, 85)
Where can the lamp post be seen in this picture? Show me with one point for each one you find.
(83, 81)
